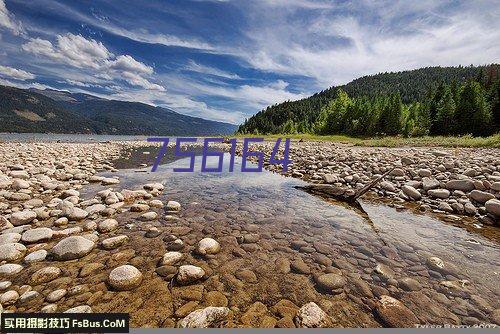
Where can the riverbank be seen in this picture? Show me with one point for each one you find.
(426, 141)
(80, 234)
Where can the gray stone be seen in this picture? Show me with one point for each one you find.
(204, 318)
(22, 217)
(411, 192)
(12, 252)
(73, 247)
(493, 207)
(37, 235)
(125, 277)
(480, 196)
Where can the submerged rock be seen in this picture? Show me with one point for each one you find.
(312, 316)
(125, 277)
(204, 318)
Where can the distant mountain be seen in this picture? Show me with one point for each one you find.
(52, 111)
(412, 86)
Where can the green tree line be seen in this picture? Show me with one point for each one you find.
(447, 107)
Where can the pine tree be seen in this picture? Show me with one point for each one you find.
(444, 123)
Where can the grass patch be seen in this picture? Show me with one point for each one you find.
(459, 141)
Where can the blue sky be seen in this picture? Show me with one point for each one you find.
(227, 59)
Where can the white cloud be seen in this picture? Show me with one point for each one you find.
(7, 20)
(195, 67)
(15, 73)
(93, 56)
(129, 64)
(335, 47)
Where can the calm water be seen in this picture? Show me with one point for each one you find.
(73, 138)
(232, 204)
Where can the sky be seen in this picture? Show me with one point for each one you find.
(226, 60)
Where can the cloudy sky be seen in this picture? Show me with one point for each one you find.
(227, 59)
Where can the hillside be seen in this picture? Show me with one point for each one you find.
(410, 86)
(49, 111)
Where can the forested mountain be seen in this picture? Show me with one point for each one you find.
(49, 111)
(432, 100)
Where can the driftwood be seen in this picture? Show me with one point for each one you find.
(339, 193)
(329, 191)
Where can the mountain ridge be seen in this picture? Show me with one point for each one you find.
(53, 111)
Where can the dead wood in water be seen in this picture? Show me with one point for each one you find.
(339, 193)
(331, 192)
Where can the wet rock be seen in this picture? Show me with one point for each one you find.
(246, 275)
(22, 217)
(439, 193)
(171, 258)
(107, 225)
(8, 298)
(9, 238)
(114, 242)
(12, 252)
(282, 265)
(394, 313)
(125, 277)
(148, 216)
(411, 192)
(36, 256)
(480, 196)
(10, 269)
(188, 274)
(45, 275)
(493, 207)
(166, 271)
(208, 246)
(332, 283)
(312, 316)
(73, 247)
(28, 296)
(79, 309)
(204, 318)
(409, 284)
(90, 268)
(384, 271)
(300, 267)
(37, 235)
(56, 295)
(463, 185)
(216, 298)
(50, 308)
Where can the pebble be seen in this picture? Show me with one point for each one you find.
(37, 235)
(22, 217)
(10, 269)
(79, 309)
(395, 314)
(171, 258)
(312, 316)
(36, 256)
(125, 277)
(8, 298)
(204, 318)
(107, 225)
(330, 282)
(173, 206)
(188, 274)
(208, 246)
(56, 295)
(12, 252)
(45, 275)
(71, 248)
(148, 216)
(114, 242)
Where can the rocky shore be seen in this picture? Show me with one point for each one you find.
(455, 182)
(73, 238)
